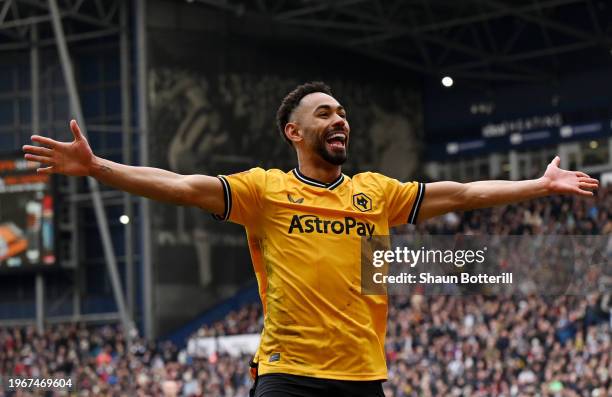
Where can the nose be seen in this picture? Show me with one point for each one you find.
(339, 122)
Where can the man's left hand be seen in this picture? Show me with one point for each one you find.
(560, 181)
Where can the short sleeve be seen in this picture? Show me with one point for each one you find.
(243, 194)
(403, 200)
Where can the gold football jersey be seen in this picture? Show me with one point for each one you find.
(304, 237)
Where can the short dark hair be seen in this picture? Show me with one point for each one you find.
(292, 100)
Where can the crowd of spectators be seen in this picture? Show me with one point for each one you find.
(247, 320)
(436, 345)
(99, 363)
(535, 345)
(477, 346)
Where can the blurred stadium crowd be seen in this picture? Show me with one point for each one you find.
(436, 346)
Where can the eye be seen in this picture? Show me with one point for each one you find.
(323, 115)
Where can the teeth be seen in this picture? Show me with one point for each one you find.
(339, 135)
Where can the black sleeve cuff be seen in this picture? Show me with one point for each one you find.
(227, 197)
(414, 213)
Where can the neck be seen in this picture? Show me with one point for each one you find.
(319, 170)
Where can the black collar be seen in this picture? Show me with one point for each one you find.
(313, 182)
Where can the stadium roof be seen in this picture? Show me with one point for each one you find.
(493, 41)
(484, 40)
(83, 20)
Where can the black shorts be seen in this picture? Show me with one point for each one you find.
(284, 385)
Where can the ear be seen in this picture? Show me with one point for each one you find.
(293, 133)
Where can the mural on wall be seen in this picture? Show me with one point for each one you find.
(202, 124)
(226, 123)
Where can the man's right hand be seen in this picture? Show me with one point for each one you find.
(69, 158)
(76, 159)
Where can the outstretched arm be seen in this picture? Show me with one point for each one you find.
(77, 159)
(443, 197)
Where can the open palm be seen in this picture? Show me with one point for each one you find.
(68, 158)
(568, 182)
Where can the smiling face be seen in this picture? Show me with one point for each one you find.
(319, 125)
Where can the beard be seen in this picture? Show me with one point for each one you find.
(335, 157)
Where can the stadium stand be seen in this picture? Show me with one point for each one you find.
(436, 346)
